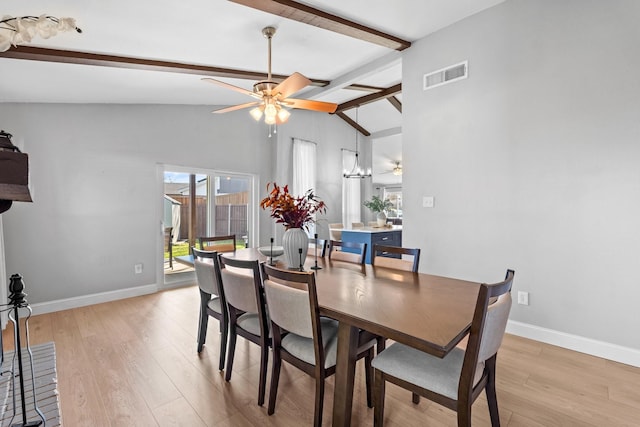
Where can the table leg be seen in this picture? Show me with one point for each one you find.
(345, 373)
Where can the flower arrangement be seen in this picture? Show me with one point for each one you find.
(376, 204)
(19, 30)
(292, 212)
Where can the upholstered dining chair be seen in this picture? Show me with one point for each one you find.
(355, 252)
(357, 224)
(218, 243)
(301, 336)
(247, 312)
(399, 259)
(320, 247)
(212, 300)
(456, 380)
(335, 231)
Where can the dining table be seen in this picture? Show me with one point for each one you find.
(430, 313)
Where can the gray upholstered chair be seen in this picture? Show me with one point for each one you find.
(212, 300)
(335, 231)
(248, 315)
(218, 243)
(319, 248)
(355, 252)
(456, 380)
(301, 336)
(396, 257)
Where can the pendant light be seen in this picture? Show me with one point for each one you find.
(357, 171)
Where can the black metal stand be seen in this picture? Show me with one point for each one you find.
(271, 254)
(17, 300)
(301, 268)
(315, 265)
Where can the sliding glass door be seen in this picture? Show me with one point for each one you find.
(200, 203)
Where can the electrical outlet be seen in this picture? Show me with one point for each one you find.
(523, 298)
(138, 268)
(428, 201)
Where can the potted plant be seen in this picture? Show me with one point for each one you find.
(379, 206)
(295, 213)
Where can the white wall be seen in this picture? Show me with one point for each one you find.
(533, 160)
(96, 209)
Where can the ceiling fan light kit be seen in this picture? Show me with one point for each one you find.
(272, 99)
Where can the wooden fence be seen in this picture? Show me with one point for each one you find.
(230, 218)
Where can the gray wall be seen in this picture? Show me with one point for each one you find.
(533, 160)
(95, 186)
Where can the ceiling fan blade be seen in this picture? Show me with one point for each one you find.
(236, 107)
(291, 85)
(232, 87)
(308, 104)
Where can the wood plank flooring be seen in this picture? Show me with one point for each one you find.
(133, 362)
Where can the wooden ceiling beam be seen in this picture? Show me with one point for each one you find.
(85, 58)
(367, 99)
(309, 15)
(395, 102)
(353, 124)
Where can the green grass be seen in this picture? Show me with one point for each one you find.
(182, 248)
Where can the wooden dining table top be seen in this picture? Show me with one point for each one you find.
(430, 313)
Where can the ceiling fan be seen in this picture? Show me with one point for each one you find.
(397, 169)
(272, 99)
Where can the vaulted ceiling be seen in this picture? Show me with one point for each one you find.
(150, 51)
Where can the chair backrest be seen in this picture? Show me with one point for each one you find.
(321, 246)
(322, 229)
(379, 259)
(373, 223)
(335, 231)
(487, 330)
(207, 271)
(241, 284)
(289, 296)
(218, 243)
(357, 224)
(355, 251)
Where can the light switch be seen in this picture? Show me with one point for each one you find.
(428, 201)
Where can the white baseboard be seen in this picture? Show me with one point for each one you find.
(617, 353)
(75, 302)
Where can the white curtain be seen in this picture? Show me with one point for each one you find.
(304, 170)
(350, 191)
(304, 167)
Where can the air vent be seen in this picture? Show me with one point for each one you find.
(446, 75)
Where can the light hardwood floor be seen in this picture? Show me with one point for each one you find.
(134, 363)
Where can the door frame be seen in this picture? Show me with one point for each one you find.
(252, 211)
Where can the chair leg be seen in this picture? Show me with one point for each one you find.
(203, 321)
(378, 399)
(368, 376)
(231, 351)
(317, 415)
(224, 331)
(262, 385)
(275, 378)
(415, 398)
(490, 390)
